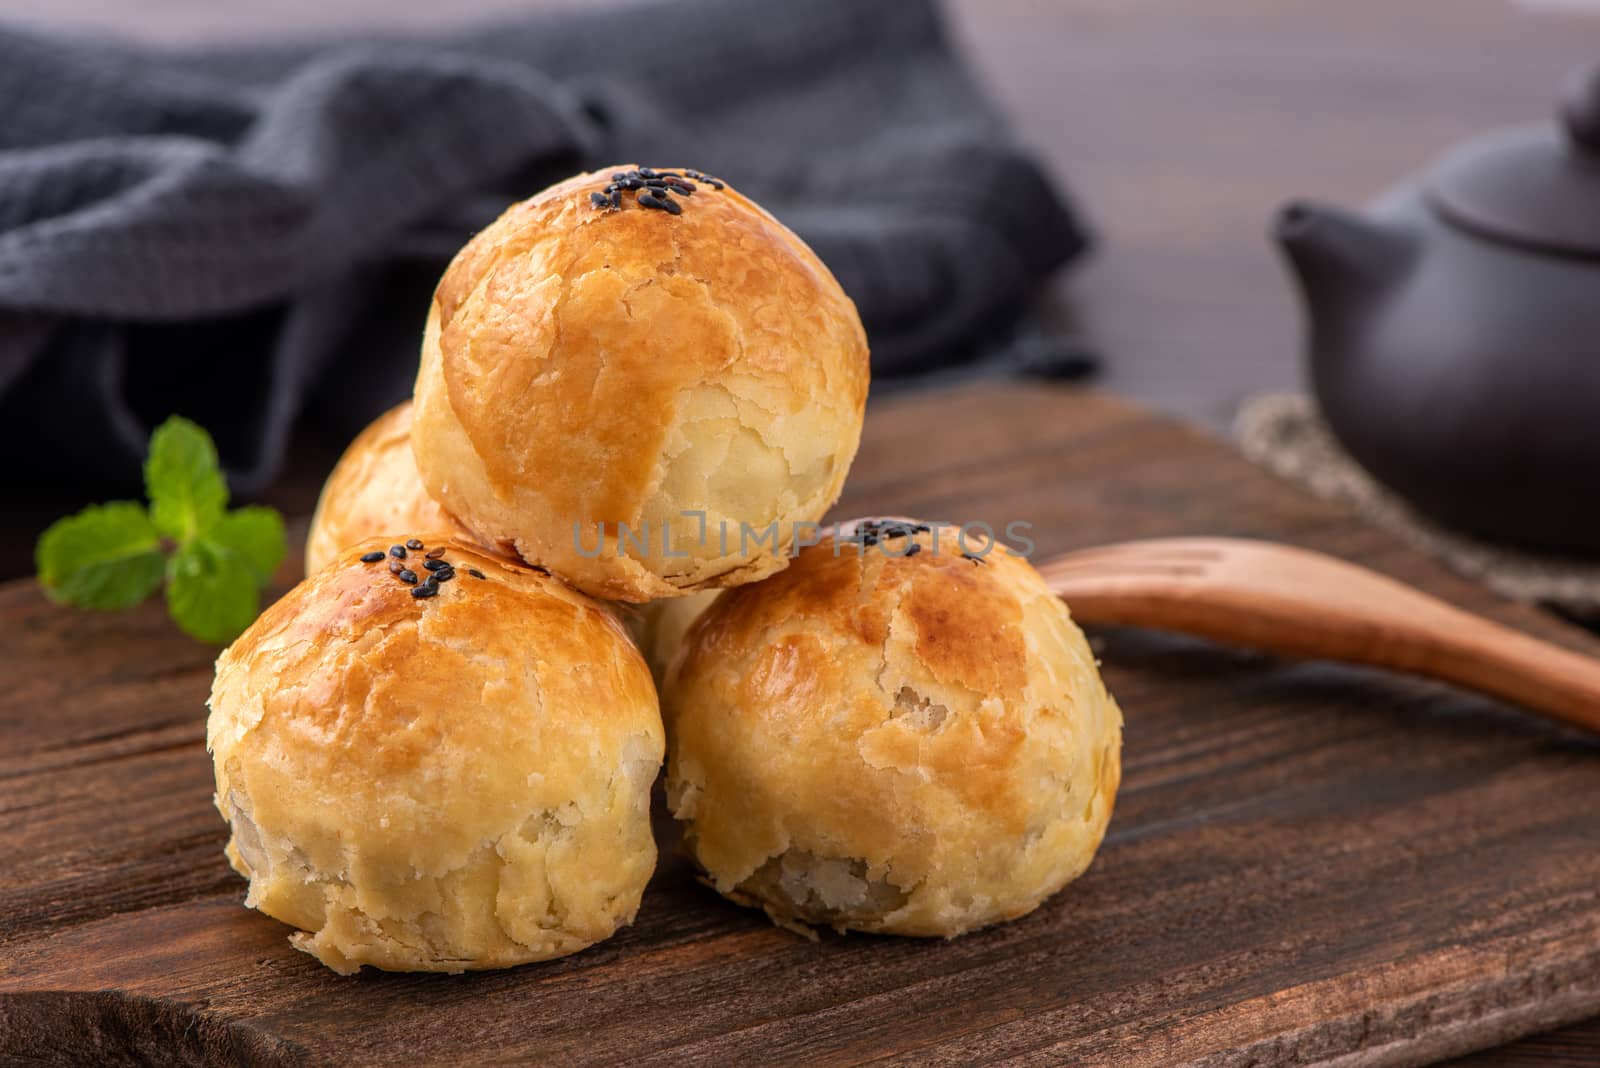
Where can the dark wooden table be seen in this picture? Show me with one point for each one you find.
(1181, 125)
(1308, 863)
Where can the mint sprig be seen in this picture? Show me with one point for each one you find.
(184, 481)
(108, 556)
(214, 562)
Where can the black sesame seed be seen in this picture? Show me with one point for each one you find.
(371, 558)
(413, 543)
(875, 530)
(408, 576)
(653, 188)
(434, 554)
(397, 551)
(395, 567)
(475, 573)
(444, 576)
(434, 565)
(914, 549)
(424, 591)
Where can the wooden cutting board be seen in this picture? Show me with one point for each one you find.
(1308, 863)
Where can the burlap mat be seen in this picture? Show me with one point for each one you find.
(1284, 433)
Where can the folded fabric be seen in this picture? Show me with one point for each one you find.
(249, 235)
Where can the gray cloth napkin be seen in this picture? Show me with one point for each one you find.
(249, 235)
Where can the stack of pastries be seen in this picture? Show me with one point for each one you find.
(590, 543)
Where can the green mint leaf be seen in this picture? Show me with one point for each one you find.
(252, 537)
(181, 477)
(113, 556)
(106, 557)
(212, 596)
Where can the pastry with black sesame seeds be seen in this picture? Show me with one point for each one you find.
(887, 740)
(437, 778)
(672, 367)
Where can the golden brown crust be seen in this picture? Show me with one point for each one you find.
(624, 367)
(374, 491)
(453, 783)
(915, 744)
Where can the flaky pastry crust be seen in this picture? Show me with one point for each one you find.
(586, 368)
(915, 744)
(447, 784)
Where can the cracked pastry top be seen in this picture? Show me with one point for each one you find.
(437, 783)
(904, 734)
(373, 490)
(685, 374)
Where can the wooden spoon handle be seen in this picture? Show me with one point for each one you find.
(1522, 669)
(1414, 633)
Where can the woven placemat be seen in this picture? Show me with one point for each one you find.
(1285, 433)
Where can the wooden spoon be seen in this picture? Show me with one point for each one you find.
(1292, 601)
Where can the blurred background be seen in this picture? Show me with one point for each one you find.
(1172, 132)
(1179, 126)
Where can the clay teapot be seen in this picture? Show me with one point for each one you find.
(1454, 330)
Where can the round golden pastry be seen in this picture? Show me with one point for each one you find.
(446, 784)
(374, 490)
(907, 741)
(691, 377)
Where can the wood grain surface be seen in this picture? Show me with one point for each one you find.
(1308, 863)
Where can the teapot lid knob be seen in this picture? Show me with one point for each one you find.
(1580, 108)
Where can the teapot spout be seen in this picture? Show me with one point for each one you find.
(1343, 261)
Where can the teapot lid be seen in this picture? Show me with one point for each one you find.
(1531, 185)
